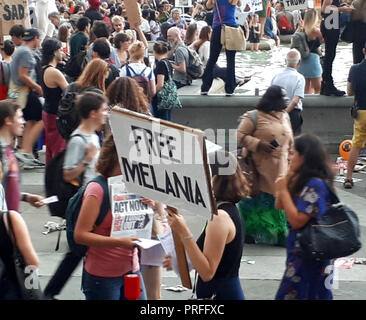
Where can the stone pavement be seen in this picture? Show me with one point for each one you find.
(260, 280)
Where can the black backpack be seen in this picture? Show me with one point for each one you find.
(68, 118)
(75, 66)
(55, 184)
(73, 210)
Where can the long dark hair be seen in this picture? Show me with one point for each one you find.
(316, 163)
(274, 99)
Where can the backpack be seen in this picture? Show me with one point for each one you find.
(195, 66)
(75, 66)
(68, 118)
(298, 41)
(285, 26)
(73, 210)
(56, 185)
(142, 81)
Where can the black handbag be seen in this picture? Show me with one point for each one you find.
(28, 281)
(336, 234)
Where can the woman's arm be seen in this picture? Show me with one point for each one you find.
(152, 88)
(217, 232)
(296, 218)
(160, 82)
(85, 225)
(23, 240)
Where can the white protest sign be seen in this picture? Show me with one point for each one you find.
(251, 6)
(131, 217)
(13, 12)
(163, 161)
(291, 5)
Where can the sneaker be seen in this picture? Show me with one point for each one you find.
(27, 161)
(204, 93)
(229, 94)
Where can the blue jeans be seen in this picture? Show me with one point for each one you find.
(224, 289)
(102, 288)
(215, 49)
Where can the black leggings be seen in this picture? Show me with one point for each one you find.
(331, 38)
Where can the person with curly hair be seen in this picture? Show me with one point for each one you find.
(126, 93)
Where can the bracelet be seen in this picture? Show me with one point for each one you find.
(187, 238)
(24, 197)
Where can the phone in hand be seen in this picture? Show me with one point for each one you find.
(274, 143)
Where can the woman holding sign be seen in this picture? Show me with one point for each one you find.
(217, 253)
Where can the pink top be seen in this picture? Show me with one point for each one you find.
(108, 262)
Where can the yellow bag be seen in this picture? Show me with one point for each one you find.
(232, 38)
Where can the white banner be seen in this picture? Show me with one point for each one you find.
(291, 5)
(251, 6)
(163, 161)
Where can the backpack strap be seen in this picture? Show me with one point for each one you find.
(128, 71)
(253, 116)
(106, 205)
(142, 72)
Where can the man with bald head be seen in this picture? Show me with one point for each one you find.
(294, 84)
(181, 58)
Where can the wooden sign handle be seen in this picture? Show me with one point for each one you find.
(181, 257)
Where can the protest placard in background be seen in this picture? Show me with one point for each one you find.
(133, 11)
(291, 5)
(163, 161)
(13, 12)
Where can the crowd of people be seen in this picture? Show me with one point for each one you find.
(91, 56)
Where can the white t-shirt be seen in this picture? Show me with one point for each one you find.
(137, 69)
(293, 82)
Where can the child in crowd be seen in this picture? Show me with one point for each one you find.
(254, 30)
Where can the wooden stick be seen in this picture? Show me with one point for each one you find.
(181, 257)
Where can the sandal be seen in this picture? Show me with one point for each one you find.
(348, 184)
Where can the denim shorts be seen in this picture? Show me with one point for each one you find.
(103, 288)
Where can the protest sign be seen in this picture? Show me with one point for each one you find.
(131, 217)
(291, 5)
(183, 3)
(163, 161)
(13, 12)
(251, 6)
(133, 11)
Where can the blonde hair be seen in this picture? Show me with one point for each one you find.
(310, 20)
(94, 74)
(117, 19)
(137, 50)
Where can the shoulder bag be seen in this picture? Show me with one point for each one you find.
(168, 95)
(336, 234)
(232, 38)
(28, 281)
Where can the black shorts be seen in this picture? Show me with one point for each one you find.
(33, 108)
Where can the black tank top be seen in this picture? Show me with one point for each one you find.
(52, 96)
(231, 257)
(6, 248)
(314, 44)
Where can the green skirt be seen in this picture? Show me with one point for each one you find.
(263, 222)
